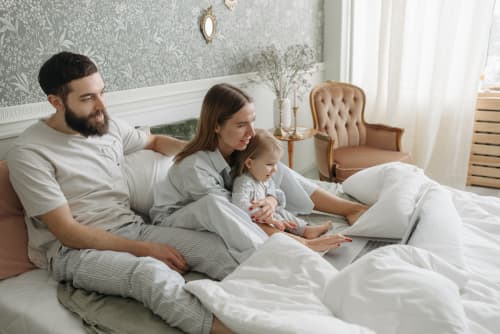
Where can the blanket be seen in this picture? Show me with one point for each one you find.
(286, 288)
(446, 281)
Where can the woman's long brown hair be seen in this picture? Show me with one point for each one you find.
(221, 102)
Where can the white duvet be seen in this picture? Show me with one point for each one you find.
(447, 281)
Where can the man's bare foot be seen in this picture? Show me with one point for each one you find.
(314, 231)
(353, 216)
(326, 242)
(219, 328)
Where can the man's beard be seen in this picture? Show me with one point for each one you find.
(83, 126)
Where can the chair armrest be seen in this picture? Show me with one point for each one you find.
(323, 146)
(384, 137)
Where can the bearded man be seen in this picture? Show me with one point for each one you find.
(67, 172)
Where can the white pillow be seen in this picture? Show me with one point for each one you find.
(390, 215)
(365, 185)
(143, 169)
(400, 289)
(440, 228)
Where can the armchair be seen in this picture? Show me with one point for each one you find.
(344, 142)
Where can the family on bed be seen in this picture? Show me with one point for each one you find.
(221, 199)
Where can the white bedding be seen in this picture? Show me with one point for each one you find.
(286, 288)
(28, 304)
(447, 282)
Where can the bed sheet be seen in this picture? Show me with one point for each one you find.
(480, 218)
(481, 237)
(475, 307)
(28, 304)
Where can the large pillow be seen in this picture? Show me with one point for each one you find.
(143, 169)
(13, 237)
(365, 185)
(440, 228)
(390, 215)
(400, 289)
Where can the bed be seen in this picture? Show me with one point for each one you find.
(446, 281)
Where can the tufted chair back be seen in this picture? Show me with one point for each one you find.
(339, 112)
(344, 142)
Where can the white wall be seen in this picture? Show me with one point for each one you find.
(336, 39)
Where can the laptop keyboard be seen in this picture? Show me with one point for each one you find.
(371, 245)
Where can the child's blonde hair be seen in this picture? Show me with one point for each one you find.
(259, 144)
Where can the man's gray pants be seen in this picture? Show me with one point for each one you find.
(146, 279)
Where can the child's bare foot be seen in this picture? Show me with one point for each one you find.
(326, 242)
(311, 232)
(353, 216)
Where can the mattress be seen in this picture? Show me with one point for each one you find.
(396, 289)
(28, 304)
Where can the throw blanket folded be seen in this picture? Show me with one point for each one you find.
(284, 287)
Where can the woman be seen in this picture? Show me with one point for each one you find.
(196, 194)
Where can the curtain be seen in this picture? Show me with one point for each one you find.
(419, 63)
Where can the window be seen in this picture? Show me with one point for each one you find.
(491, 74)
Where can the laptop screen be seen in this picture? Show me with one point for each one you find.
(415, 216)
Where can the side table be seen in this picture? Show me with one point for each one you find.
(304, 133)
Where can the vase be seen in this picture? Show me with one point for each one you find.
(282, 113)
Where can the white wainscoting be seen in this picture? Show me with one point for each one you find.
(169, 103)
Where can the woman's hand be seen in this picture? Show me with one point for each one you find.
(283, 224)
(265, 209)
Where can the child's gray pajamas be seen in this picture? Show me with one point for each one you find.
(246, 189)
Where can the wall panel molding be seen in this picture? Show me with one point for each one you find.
(165, 104)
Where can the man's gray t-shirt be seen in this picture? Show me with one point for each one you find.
(49, 168)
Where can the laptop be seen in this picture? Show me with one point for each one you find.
(350, 252)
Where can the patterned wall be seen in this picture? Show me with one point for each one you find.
(147, 42)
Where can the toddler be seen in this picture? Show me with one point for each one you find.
(254, 168)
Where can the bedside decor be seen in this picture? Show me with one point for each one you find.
(208, 25)
(282, 71)
(295, 134)
(231, 3)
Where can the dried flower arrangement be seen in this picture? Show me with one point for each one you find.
(284, 71)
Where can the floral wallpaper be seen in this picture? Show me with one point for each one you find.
(145, 43)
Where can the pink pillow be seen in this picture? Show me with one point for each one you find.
(13, 238)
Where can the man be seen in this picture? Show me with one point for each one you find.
(66, 170)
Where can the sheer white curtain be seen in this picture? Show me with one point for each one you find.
(419, 62)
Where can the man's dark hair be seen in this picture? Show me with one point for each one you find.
(60, 69)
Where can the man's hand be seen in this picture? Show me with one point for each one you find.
(168, 255)
(266, 208)
(74, 235)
